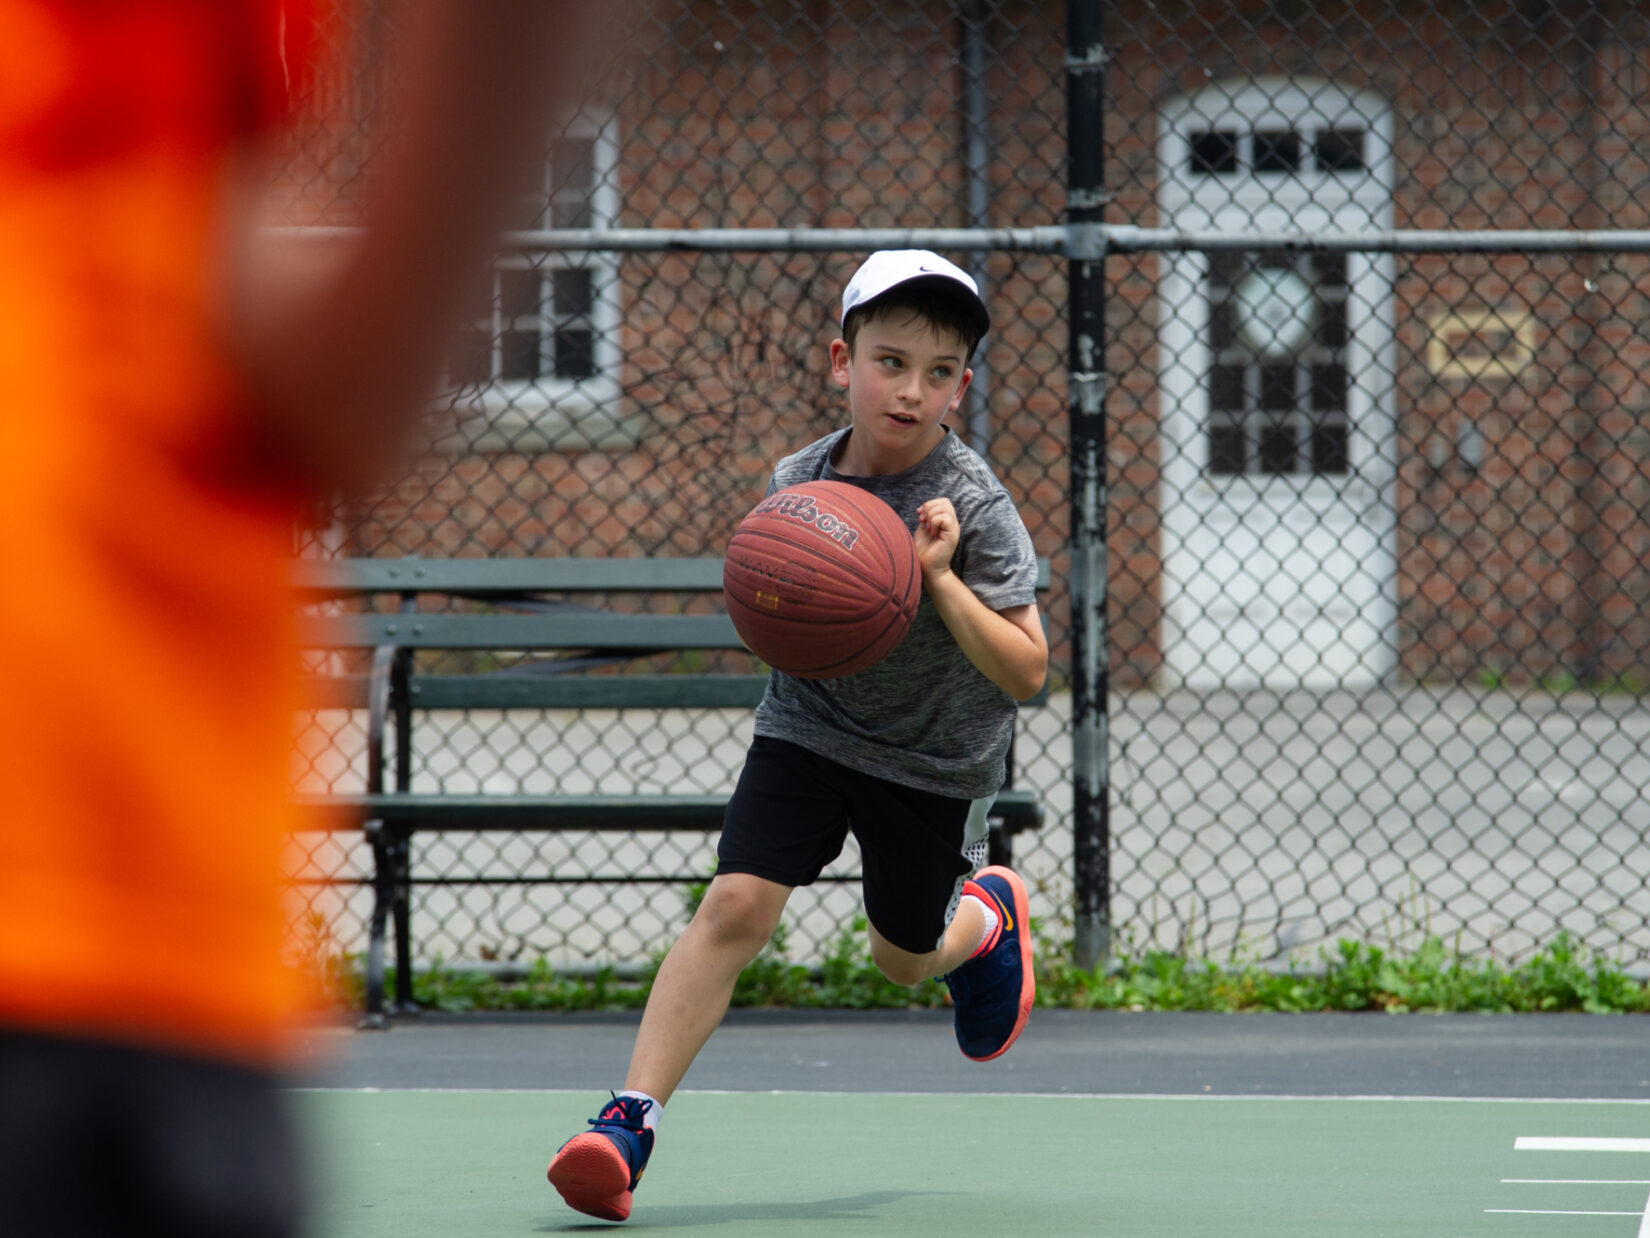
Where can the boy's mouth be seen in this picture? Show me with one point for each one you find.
(904, 419)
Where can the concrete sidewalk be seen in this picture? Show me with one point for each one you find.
(1254, 823)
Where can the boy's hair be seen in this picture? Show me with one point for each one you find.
(939, 308)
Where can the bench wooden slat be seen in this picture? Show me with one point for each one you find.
(478, 813)
(331, 578)
(319, 579)
(528, 691)
(525, 690)
(560, 630)
(1018, 810)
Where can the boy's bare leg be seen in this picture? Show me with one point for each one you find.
(695, 982)
(596, 1171)
(961, 938)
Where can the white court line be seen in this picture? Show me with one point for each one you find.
(1566, 1143)
(1571, 1143)
(1561, 1212)
(1206, 1098)
(1583, 1181)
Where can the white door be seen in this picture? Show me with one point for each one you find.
(1277, 393)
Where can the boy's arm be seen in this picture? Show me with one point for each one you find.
(1008, 646)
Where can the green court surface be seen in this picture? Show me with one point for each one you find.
(417, 1163)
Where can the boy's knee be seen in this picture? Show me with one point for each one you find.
(901, 967)
(744, 911)
(904, 973)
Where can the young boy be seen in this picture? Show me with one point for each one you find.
(907, 754)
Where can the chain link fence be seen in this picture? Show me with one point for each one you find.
(1371, 575)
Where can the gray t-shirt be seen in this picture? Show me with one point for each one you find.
(924, 716)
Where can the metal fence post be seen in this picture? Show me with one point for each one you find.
(1086, 252)
(977, 127)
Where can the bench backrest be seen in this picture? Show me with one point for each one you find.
(319, 579)
(504, 580)
(543, 625)
(523, 580)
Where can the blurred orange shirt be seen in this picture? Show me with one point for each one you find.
(143, 623)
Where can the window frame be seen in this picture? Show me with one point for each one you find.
(549, 412)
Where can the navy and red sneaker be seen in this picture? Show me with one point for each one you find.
(596, 1171)
(994, 989)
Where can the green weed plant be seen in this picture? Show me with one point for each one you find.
(1563, 976)
(1353, 976)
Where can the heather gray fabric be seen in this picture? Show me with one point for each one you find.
(923, 716)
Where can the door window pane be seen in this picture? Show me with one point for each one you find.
(1330, 269)
(1339, 150)
(1214, 153)
(1277, 150)
(1226, 388)
(1226, 450)
(1332, 323)
(1277, 449)
(1329, 448)
(1277, 387)
(1221, 335)
(1223, 266)
(1329, 388)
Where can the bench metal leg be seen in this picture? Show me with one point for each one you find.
(999, 847)
(400, 856)
(375, 1020)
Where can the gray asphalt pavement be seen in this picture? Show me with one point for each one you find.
(1062, 1051)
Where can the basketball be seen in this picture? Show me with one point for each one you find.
(821, 580)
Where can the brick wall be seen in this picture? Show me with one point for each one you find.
(1527, 558)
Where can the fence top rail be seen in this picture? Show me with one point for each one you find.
(1125, 239)
(1076, 241)
(1049, 240)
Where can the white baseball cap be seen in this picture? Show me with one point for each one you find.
(889, 268)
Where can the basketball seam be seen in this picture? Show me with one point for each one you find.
(848, 569)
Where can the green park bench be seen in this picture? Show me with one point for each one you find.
(528, 609)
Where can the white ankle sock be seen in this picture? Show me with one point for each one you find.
(651, 1113)
(990, 913)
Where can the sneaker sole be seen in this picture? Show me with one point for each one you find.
(1028, 978)
(592, 1177)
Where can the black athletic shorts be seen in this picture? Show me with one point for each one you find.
(791, 813)
(99, 1140)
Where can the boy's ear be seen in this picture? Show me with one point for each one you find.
(962, 389)
(840, 356)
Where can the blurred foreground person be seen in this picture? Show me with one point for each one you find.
(175, 387)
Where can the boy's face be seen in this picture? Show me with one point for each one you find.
(902, 377)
